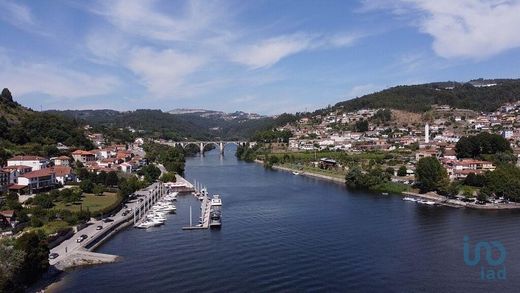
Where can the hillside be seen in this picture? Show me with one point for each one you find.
(159, 124)
(478, 95)
(23, 131)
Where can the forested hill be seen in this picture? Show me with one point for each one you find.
(478, 95)
(23, 131)
(158, 124)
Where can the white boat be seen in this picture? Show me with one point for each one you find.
(407, 198)
(384, 193)
(296, 173)
(144, 225)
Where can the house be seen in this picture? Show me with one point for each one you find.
(4, 180)
(63, 174)
(8, 218)
(327, 163)
(61, 161)
(38, 180)
(83, 156)
(15, 171)
(35, 162)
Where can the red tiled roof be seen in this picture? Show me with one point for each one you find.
(38, 173)
(83, 153)
(27, 158)
(7, 213)
(17, 167)
(16, 186)
(60, 171)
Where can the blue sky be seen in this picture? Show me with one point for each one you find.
(258, 56)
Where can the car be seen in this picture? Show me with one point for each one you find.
(84, 236)
(99, 227)
(80, 239)
(53, 255)
(107, 220)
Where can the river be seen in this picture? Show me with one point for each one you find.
(292, 233)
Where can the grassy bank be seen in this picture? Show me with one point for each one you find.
(93, 203)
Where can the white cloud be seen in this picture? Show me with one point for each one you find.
(57, 81)
(474, 29)
(266, 53)
(361, 90)
(16, 14)
(163, 72)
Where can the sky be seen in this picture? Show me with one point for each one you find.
(260, 56)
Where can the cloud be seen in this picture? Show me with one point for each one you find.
(140, 17)
(266, 53)
(475, 29)
(15, 14)
(361, 90)
(25, 78)
(163, 72)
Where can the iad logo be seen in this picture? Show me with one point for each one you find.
(495, 257)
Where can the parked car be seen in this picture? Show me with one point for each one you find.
(53, 255)
(107, 220)
(99, 227)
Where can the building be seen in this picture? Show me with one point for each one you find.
(63, 174)
(35, 162)
(8, 218)
(4, 180)
(15, 171)
(61, 161)
(83, 156)
(38, 180)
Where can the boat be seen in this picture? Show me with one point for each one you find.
(296, 173)
(215, 219)
(407, 198)
(384, 193)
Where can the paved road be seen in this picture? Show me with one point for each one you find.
(69, 246)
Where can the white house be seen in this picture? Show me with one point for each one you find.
(35, 162)
(37, 180)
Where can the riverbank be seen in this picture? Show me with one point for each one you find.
(306, 173)
(430, 196)
(442, 200)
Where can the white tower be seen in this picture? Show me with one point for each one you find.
(427, 133)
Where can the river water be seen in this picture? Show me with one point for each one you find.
(292, 233)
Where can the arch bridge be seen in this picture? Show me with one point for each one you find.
(221, 145)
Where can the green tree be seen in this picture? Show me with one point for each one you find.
(430, 174)
(36, 259)
(98, 189)
(111, 179)
(402, 171)
(86, 185)
(168, 177)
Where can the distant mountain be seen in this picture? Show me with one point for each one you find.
(479, 95)
(237, 115)
(184, 124)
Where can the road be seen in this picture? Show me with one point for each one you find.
(69, 246)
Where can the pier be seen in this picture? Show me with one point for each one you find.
(205, 210)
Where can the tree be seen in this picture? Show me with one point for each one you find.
(481, 144)
(150, 172)
(36, 260)
(430, 174)
(361, 126)
(98, 189)
(11, 261)
(402, 171)
(475, 180)
(86, 185)
(111, 179)
(390, 171)
(168, 177)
